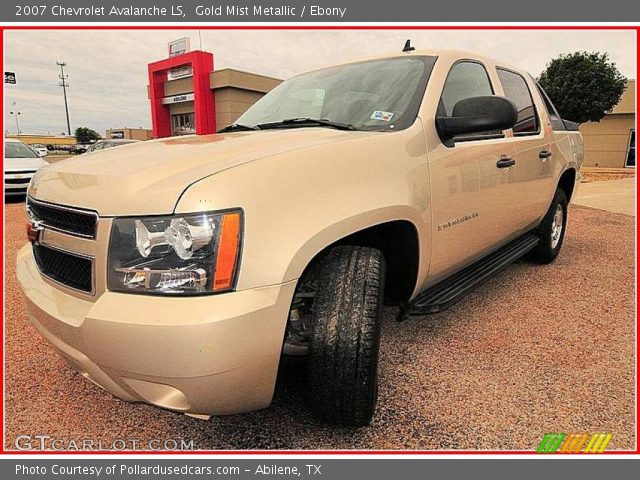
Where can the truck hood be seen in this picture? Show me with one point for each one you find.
(148, 178)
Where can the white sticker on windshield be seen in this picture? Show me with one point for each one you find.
(380, 115)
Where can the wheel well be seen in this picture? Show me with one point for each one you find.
(567, 182)
(398, 242)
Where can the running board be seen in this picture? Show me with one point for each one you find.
(444, 294)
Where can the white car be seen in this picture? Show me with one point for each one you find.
(40, 149)
(20, 164)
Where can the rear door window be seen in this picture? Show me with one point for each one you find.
(516, 89)
(554, 117)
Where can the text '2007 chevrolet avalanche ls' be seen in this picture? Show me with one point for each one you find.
(180, 271)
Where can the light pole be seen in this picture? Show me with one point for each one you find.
(64, 86)
(15, 115)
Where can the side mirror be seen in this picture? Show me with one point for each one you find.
(478, 114)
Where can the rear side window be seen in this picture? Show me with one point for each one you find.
(466, 79)
(516, 89)
(556, 121)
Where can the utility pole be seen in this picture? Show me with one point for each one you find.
(15, 115)
(64, 86)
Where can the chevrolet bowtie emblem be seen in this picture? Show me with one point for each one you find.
(34, 230)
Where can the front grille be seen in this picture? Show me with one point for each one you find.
(16, 181)
(82, 223)
(65, 268)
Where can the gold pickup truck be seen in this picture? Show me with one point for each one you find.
(180, 271)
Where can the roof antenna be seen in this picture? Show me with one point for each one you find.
(408, 47)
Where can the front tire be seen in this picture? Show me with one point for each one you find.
(345, 336)
(551, 231)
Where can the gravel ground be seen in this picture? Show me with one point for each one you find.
(535, 349)
(588, 177)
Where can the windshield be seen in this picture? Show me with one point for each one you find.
(373, 95)
(18, 150)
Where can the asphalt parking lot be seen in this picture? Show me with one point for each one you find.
(536, 349)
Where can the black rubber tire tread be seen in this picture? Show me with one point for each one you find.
(345, 336)
(543, 253)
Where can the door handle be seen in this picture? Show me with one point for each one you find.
(505, 162)
(544, 154)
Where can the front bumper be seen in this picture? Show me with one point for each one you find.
(205, 355)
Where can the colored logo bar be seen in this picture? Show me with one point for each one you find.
(574, 443)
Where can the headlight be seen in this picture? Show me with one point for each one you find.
(178, 254)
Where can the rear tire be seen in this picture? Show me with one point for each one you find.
(551, 231)
(345, 336)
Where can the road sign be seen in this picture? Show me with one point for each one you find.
(10, 77)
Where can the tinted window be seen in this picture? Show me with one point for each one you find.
(556, 121)
(516, 89)
(465, 80)
(373, 95)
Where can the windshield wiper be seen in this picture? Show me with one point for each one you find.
(237, 127)
(306, 122)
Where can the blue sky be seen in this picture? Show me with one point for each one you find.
(108, 76)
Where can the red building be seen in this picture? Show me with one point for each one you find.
(187, 96)
(198, 65)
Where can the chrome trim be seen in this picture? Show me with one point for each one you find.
(93, 213)
(64, 285)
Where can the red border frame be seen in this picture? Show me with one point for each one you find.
(4, 452)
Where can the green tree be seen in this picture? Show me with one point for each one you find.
(86, 135)
(583, 86)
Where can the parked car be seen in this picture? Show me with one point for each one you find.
(40, 149)
(20, 164)
(77, 149)
(104, 144)
(189, 267)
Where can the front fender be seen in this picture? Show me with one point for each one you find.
(298, 203)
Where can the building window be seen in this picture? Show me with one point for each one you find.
(183, 124)
(631, 151)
